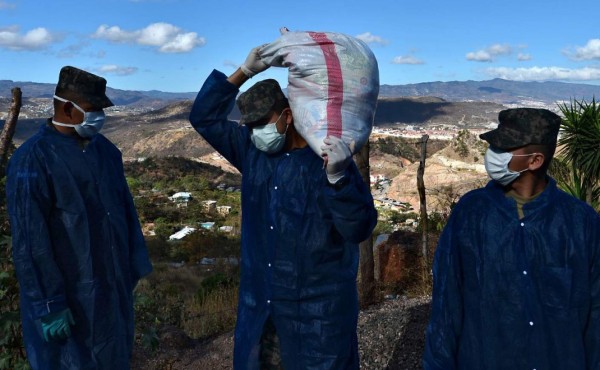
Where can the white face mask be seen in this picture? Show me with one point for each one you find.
(92, 121)
(496, 164)
(267, 139)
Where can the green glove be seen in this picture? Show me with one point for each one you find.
(57, 325)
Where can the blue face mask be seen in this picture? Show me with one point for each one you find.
(267, 139)
(92, 121)
(496, 164)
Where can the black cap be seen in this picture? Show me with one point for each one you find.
(523, 126)
(74, 84)
(258, 101)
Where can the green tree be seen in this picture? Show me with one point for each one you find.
(163, 228)
(134, 184)
(580, 141)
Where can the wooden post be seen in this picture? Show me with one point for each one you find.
(366, 268)
(423, 201)
(9, 128)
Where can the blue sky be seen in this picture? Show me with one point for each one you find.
(172, 45)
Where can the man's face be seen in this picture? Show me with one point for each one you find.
(78, 116)
(522, 158)
(279, 118)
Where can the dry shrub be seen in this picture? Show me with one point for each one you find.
(213, 313)
(201, 301)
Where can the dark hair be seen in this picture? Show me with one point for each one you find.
(281, 104)
(547, 150)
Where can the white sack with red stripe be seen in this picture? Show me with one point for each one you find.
(333, 85)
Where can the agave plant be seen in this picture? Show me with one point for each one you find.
(569, 178)
(580, 142)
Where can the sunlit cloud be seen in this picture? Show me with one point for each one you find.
(369, 38)
(523, 57)
(407, 59)
(545, 73)
(117, 70)
(165, 37)
(591, 51)
(35, 39)
(489, 54)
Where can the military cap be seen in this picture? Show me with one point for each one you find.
(523, 126)
(258, 101)
(74, 83)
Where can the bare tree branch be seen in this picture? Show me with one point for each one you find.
(8, 130)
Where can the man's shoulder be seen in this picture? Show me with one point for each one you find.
(106, 144)
(29, 146)
(475, 196)
(564, 200)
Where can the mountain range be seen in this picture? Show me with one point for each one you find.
(155, 123)
(495, 91)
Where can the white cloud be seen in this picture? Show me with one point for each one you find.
(590, 51)
(523, 57)
(35, 39)
(369, 38)
(182, 43)
(157, 34)
(407, 59)
(489, 54)
(545, 73)
(479, 56)
(117, 70)
(164, 36)
(114, 34)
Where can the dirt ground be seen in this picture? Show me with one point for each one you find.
(391, 337)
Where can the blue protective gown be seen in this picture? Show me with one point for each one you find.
(77, 243)
(516, 294)
(299, 243)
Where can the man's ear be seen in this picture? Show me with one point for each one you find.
(289, 118)
(536, 161)
(67, 109)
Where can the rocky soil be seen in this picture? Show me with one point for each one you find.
(391, 337)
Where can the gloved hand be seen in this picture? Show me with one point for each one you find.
(254, 64)
(57, 325)
(337, 157)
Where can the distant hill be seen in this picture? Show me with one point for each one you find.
(132, 98)
(155, 123)
(496, 90)
(425, 111)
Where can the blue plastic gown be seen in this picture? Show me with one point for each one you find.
(516, 294)
(299, 243)
(77, 243)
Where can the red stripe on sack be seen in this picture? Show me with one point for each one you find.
(335, 88)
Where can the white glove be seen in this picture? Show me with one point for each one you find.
(337, 158)
(254, 64)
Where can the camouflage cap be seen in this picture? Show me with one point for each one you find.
(74, 83)
(258, 101)
(523, 126)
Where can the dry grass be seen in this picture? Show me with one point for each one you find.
(210, 314)
(181, 297)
